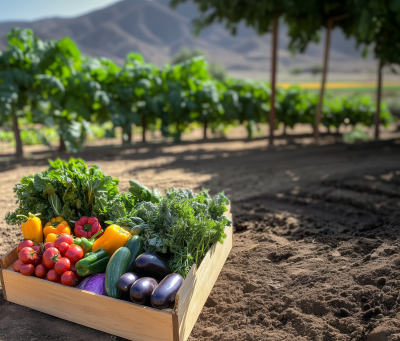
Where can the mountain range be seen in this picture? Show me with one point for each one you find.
(156, 31)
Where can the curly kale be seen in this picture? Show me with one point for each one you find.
(183, 226)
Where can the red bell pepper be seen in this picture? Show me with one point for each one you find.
(87, 227)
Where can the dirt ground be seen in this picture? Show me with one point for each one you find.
(316, 247)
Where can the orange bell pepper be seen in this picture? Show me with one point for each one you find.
(113, 238)
(57, 226)
(32, 228)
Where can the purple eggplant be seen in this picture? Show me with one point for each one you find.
(126, 280)
(142, 289)
(164, 295)
(149, 264)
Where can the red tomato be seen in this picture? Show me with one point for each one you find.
(53, 276)
(74, 253)
(17, 265)
(37, 249)
(27, 255)
(40, 271)
(63, 247)
(37, 261)
(27, 269)
(50, 256)
(48, 245)
(92, 220)
(64, 238)
(69, 279)
(25, 243)
(73, 269)
(62, 265)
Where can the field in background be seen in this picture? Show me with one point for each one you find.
(343, 85)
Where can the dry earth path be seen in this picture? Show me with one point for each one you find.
(325, 220)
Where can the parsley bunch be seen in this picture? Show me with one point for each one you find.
(183, 226)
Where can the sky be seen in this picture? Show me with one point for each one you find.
(29, 10)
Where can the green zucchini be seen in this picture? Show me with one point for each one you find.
(115, 269)
(135, 246)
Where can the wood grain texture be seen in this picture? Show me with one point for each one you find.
(198, 284)
(9, 258)
(110, 315)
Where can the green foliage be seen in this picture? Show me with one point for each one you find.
(248, 101)
(69, 189)
(215, 69)
(377, 25)
(185, 53)
(298, 106)
(357, 135)
(296, 71)
(316, 69)
(52, 84)
(184, 226)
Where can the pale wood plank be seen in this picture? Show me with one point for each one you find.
(110, 315)
(198, 284)
(9, 258)
(185, 287)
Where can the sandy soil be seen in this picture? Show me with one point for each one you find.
(316, 246)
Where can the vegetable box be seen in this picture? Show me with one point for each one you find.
(117, 317)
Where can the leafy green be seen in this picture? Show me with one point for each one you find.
(183, 226)
(72, 190)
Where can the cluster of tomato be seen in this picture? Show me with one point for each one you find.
(52, 261)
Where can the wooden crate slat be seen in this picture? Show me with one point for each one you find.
(9, 258)
(112, 316)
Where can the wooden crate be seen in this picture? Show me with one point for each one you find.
(117, 317)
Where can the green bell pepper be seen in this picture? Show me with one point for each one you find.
(86, 244)
(94, 262)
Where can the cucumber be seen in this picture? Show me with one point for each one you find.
(135, 246)
(138, 229)
(116, 267)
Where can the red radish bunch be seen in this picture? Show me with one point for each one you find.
(52, 261)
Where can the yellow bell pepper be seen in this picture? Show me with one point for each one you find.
(56, 225)
(51, 238)
(32, 228)
(113, 238)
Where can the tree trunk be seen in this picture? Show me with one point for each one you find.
(205, 130)
(128, 133)
(324, 72)
(273, 80)
(17, 136)
(144, 129)
(284, 129)
(62, 147)
(378, 102)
